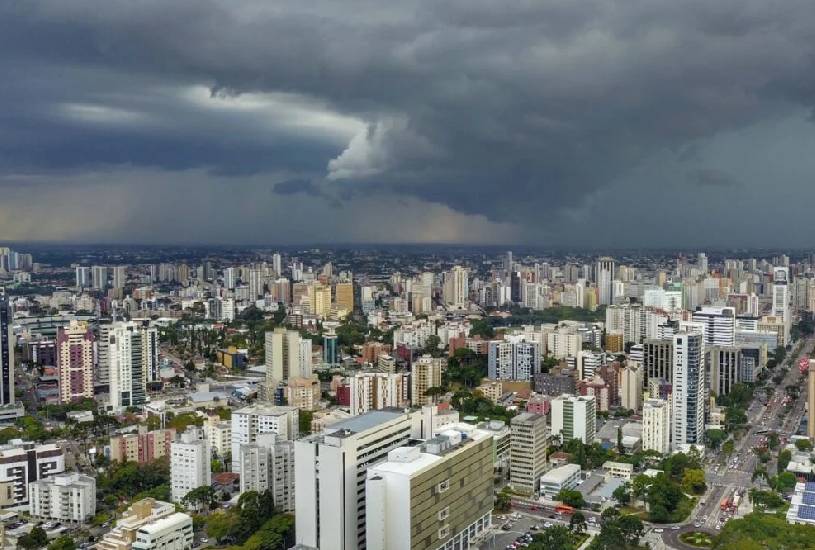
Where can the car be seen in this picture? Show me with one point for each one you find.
(658, 530)
(506, 527)
(204, 540)
(675, 528)
(533, 527)
(697, 525)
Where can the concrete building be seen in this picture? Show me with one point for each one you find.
(330, 471)
(656, 425)
(6, 351)
(528, 444)
(434, 495)
(219, 435)
(811, 400)
(513, 358)
(149, 524)
(723, 368)
(491, 389)
(250, 422)
(574, 417)
(425, 373)
(266, 465)
(63, 497)
(374, 390)
(190, 463)
(719, 325)
(132, 355)
(303, 393)
(604, 277)
(657, 359)
(344, 296)
(24, 462)
(688, 397)
(555, 383)
(565, 477)
(75, 360)
(632, 386)
(287, 356)
(141, 447)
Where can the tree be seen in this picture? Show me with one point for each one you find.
(481, 327)
(37, 538)
(784, 457)
(577, 523)
(785, 482)
(622, 494)
(432, 346)
(714, 438)
(62, 543)
(304, 422)
(803, 444)
(571, 498)
(220, 524)
(200, 497)
(693, 481)
(553, 537)
(728, 447)
(503, 502)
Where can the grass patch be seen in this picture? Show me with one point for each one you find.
(697, 538)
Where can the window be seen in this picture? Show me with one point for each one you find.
(444, 513)
(443, 486)
(444, 532)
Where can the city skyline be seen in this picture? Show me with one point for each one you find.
(571, 124)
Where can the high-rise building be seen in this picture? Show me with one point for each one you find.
(63, 497)
(424, 373)
(456, 290)
(330, 352)
(287, 355)
(83, 276)
(277, 264)
(434, 495)
(132, 355)
(303, 393)
(190, 463)
(688, 397)
(513, 358)
(604, 276)
(574, 417)
(6, 351)
(119, 276)
(719, 325)
(528, 443)
(723, 368)
(75, 362)
(657, 359)
(781, 299)
(268, 464)
(230, 278)
(656, 426)
(330, 471)
(99, 276)
(250, 422)
(344, 292)
(631, 386)
(375, 390)
(24, 462)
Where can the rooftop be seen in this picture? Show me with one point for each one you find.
(365, 421)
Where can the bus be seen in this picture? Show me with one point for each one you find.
(564, 509)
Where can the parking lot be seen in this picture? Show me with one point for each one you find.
(508, 529)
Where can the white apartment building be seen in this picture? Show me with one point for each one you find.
(64, 497)
(781, 299)
(330, 471)
(656, 425)
(434, 495)
(268, 464)
(250, 422)
(719, 325)
(574, 417)
(219, 435)
(132, 360)
(22, 462)
(190, 463)
(688, 397)
(563, 343)
(376, 390)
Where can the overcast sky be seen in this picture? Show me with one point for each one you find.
(565, 122)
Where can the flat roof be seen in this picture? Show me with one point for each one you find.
(365, 421)
(165, 523)
(560, 474)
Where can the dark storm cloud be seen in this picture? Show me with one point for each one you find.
(517, 111)
(291, 187)
(710, 177)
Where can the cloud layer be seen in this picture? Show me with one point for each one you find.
(523, 121)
